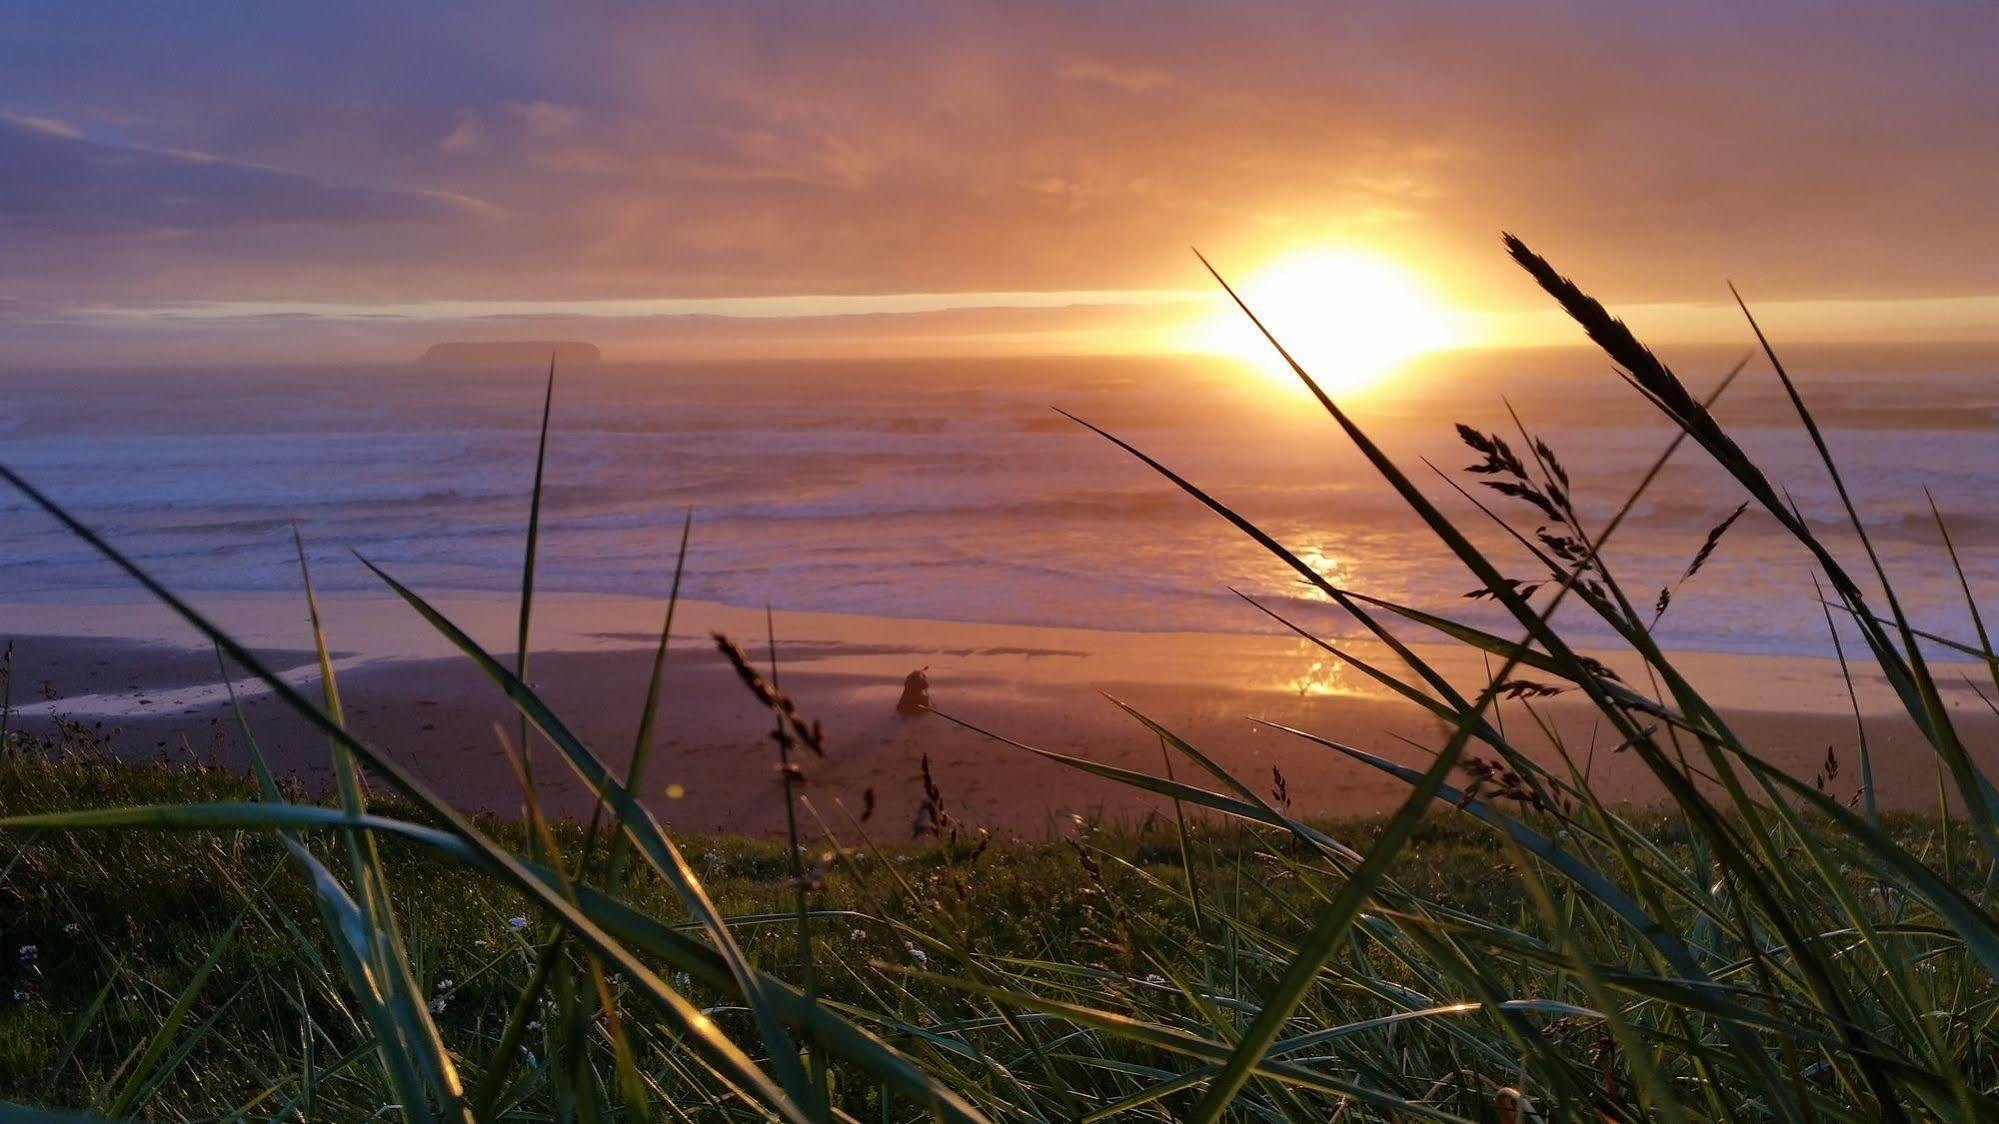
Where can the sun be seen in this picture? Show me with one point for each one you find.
(1349, 317)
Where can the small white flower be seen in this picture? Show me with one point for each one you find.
(437, 1006)
(858, 934)
(480, 943)
(1155, 979)
(20, 996)
(444, 985)
(72, 928)
(517, 923)
(921, 956)
(534, 1024)
(29, 952)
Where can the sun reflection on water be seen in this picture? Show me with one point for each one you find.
(1324, 674)
(1326, 565)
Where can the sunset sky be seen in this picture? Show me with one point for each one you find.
(286, 182)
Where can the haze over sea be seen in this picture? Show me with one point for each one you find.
(948, 489)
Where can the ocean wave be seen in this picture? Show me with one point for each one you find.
(902, 497)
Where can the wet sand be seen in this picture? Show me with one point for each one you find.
(128, 666)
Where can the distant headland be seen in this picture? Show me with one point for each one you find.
(485, 352)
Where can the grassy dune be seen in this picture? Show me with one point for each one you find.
(1504, 946)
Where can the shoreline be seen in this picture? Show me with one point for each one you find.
(129, 665)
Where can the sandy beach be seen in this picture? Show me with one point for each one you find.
(128, 666)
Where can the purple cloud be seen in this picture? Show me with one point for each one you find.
(59, 180)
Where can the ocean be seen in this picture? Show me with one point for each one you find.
(951, 489)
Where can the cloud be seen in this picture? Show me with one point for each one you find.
(642, 150)
(1130, 79)
(59, 180)
(44, 125)
(463, 136)
(544, 118)
(735, 308)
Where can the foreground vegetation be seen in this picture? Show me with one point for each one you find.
(1768, 947)
(120, 923)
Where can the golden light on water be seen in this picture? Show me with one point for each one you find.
(1350, 317)
(1321, 677)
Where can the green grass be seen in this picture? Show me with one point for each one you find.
(1503, 946)
(139, 912)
